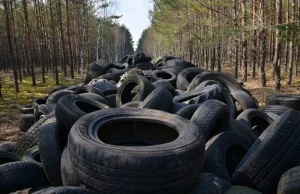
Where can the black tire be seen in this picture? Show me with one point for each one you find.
(241, 190)
(142, 66)
(87, 89)
(276, 109)
(96, 97)
(97, 69)
(33, 155)
(244, 100)
(124, 94)
(177, 63)
(238, 127)
(55, 96)
(38, 101)
(68, 173)
(288, 100)
(111, 99)
(226, 80)
(166, 85)
(186, 76)
(58, 88)
(44, 109)
(277, 148)
(289, 182)
(223, 152)
(31, 137)
(228, 99)
(105, 87)
(64, 190)
(188, 111)
(53, 138)
(164, 75)
(7, 146)
(155, 101)
(255, 120)
(133, 104)
(8, 157)
(176, 107)
(210, 184)
(71, 107)
(207, 83)
(21, 175)
(26, 121)
(27, 109)
(74, 87)
(148, 162)
(211, 117)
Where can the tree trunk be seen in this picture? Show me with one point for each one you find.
(62, 39)
(244, 43)
(277, 54)
(291, 48)
(254, 48)
(69, 39)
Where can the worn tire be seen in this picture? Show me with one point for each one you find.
(188, 111)
(105, 87)
(241, 190)
(289, 182)
(244, 100)
(8, 157)
(166, 85)
(276, 151)
(55, 96)
(7, 146)
(68, 174)
(164, 75)
(27, 109)
(96, 97)
(111, 99)
(26, 121)
(44, 109)
(223, 152)
(238, 127)
(97, 69)
(276, 109)
(155, 165)
(288, 100)
(186, 76)
(64, 190)
(33, 155)
(38, 101)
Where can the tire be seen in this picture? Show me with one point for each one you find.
(166, 85)
(71, 107)
(87, 89)
(288, 100)
(68, 174)
(244, 100)
(27, 109)
(176, 107)
(96, 97)
(8, 157)
(58, 88)
(277, 148)
(33, 155)
(226, 80)
(55, 96)
(7, 146)
(255, 120)
(276, 109)
(149, 163)
(188, 111)
(210, 184)
(64, 190)
(237, 127)
(133, 104)
(164, 75)
(177, 63)
(74, 87)
(186, 76)
(53, 138)
(26, 121)
(289, 182)
(98, 68)
(111, 99)
(125, 90)
(21, 175)
(211, 118)
(155, 101)
(31, 137)
(105, 87)
(142, 66)
(223, 152)
(44, 109)
(207, 83)
(241, 190)
(228, 99)
(38, 101)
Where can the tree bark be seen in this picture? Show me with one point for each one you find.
(277, 54)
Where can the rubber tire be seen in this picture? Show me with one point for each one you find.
(241, 190)
(166, 85)
(276, 109)
(211, 117)
(58, 88)
(68, 174)
(26, 121)
(123, 95)
(97, 69)
(96, 97)
(186, 76)
(7, 146)
(33, 155)
(255, 120)
(237, 127)
(133, 104)
(105, 87)
(207, 83)
(44, 109)
(166, 168)
(176, 107)
(8, 157)
(65, 190)
(55, 96)
(27, 109)
(31, 137)
(16, 176)
(111, 99)
(188, 111)
(68, 111)
(38, 101)
(87, 89)
(223, 152)
(289, 182)
(288, 100)
(210, 184)
(53, 138)
(277, 148)
(164, 75)
(155, 101)
(245, 100)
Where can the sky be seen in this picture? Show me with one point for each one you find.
(135, 16)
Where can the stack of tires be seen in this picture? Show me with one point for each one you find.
(164, 126)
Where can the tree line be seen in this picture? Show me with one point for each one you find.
(59, 36)
(246, 33)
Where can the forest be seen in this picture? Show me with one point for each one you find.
(246, 34)
(58, 36)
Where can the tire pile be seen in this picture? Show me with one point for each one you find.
(164, 126)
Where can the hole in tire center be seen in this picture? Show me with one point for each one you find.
(234, 155)
(86, 107)
(259, 125)
(136, 133)
(163, 75)
(37, 157)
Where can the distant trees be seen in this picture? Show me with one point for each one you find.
(246, 34)
(58, 36)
